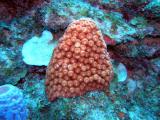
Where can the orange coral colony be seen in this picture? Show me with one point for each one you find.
(80, 63)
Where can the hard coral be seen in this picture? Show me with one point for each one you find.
(80, 63)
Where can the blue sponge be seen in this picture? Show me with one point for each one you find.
(12, 105)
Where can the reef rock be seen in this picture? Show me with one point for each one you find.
(12, 68)
(14, 8)
(153, 9)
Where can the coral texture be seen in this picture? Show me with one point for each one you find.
(12, 105)
(80, 63)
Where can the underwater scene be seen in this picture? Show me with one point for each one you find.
(79, 59)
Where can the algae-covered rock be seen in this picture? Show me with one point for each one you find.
(154, 7)
(111, 23)
(12, 68)
(34, 96)
(96, 114)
